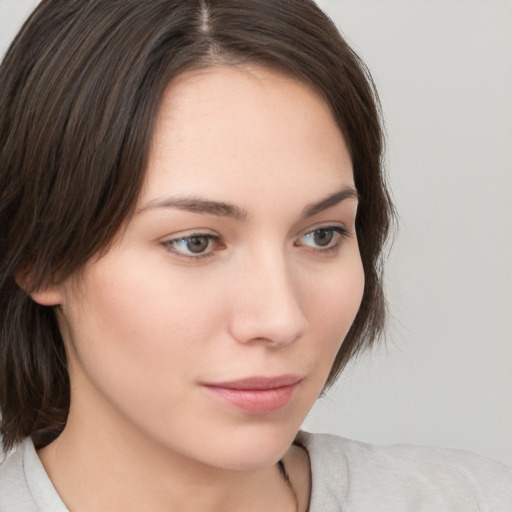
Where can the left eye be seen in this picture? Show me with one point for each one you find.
(323, 238)
(192, 246)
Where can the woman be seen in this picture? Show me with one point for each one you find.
(193, 214)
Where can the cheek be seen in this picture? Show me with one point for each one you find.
(134, 331)
(332, 299)
(336, 297)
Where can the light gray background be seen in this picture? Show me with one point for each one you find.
(444, 72)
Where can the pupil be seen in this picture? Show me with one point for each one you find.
(197, 244)
(323, 237)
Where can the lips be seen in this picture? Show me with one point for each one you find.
(256, 395)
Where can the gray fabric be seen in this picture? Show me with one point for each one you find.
(347, 476)
(350, 476)
(24, 484)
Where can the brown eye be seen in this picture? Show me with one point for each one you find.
(197, 244)
(194, 246)
(323, 237)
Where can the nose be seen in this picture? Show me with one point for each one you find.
(266, 303)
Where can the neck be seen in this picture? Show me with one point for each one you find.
(110, 467)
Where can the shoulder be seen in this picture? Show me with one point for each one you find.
(403, 478)
(24, 484)
(15, 494)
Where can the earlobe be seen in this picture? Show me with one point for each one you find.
(49, 296)
(45, 295)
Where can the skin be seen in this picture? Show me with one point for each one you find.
(149, 322)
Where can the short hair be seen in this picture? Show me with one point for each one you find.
(80, 87)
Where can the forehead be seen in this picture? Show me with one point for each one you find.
(228, 131)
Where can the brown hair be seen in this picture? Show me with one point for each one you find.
(80, 87)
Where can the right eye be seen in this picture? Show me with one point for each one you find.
(197, 245)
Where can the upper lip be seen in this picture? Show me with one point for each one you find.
(258, 382)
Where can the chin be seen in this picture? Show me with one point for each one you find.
(250, 458)
(250, 447)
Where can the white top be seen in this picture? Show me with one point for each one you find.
(347, 476)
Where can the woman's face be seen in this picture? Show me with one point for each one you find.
(241, 262)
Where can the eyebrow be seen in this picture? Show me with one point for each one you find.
(329, 202)
(221, 209)
(198, 205)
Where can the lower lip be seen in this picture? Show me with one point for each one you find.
(255, 401)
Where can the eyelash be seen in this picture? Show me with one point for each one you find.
(341, 233)
(170, 245)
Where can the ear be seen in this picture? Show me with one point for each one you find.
(49, 294)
